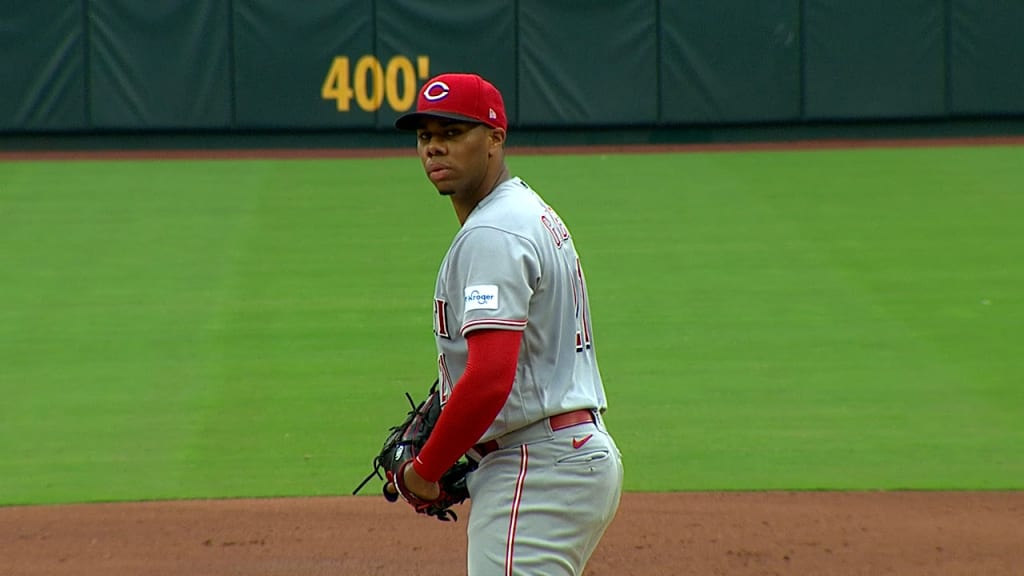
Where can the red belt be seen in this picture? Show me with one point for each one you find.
(558, 422)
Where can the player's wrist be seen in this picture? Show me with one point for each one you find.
(415, 485)
(425, 471)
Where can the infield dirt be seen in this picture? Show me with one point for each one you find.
(711, 533)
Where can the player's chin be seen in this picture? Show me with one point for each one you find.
(445, 190)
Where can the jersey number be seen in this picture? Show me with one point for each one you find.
(584, 338)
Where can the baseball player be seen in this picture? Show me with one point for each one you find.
(521, 389)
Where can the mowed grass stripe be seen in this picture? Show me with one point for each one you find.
(841, 319)
(810, 320)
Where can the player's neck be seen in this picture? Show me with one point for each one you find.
(464, 207)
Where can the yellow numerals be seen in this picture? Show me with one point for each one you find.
(370, 84)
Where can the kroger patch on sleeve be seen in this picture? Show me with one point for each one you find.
(482, 297)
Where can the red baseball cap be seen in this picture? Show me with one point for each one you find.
(465, 97)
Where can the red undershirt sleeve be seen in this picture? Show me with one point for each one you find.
(476, 400)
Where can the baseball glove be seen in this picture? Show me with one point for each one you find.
(400, 448)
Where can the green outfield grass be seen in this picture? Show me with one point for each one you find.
(765, 320)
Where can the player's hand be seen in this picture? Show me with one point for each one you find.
(412, 487)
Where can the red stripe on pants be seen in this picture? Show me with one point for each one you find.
(516, 501)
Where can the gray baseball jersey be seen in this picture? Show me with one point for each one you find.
(542, 500)
(513, 266)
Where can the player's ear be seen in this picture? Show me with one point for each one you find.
(497, 138)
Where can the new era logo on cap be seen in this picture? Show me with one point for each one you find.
(466, 97)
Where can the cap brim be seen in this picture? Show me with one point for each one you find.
(411, 121)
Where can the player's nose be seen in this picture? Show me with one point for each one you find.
(434, 147)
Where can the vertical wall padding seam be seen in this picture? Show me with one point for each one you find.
(947, 23)
(86, 64)
(802, 36)
(233, 122)
(658, 120)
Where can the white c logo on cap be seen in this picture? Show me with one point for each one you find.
(435, 91)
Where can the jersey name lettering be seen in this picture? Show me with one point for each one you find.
(554, 225)
(444, 379)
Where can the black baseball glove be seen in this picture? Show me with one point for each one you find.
(400, 448)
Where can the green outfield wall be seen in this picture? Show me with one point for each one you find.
(241, 65)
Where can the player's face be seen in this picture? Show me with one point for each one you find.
(455, 155)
